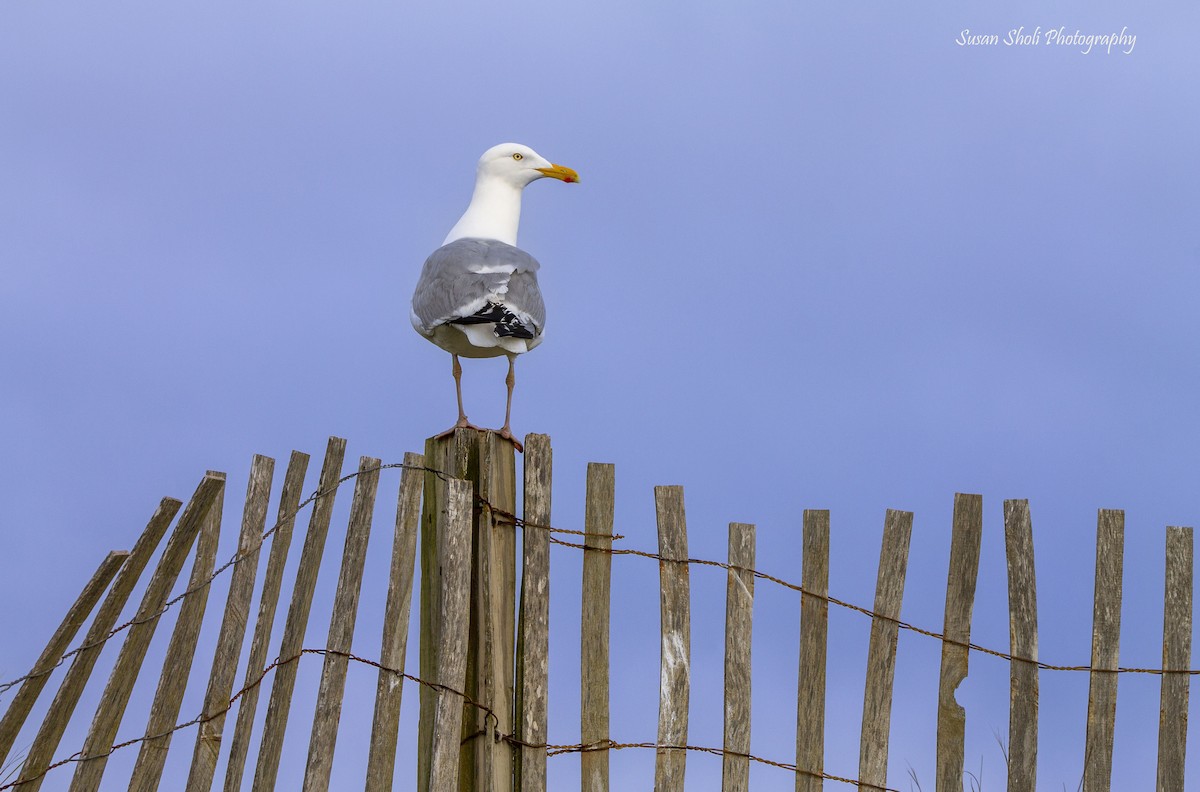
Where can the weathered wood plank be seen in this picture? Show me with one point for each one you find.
(533, 642)
(488, 461)
(965, 542)
(327, 716)
(594, 627)
(1023, 643)
(454, 559)
(739, 614)
(814, 632)
(385, 729)
(275, 727)
(881, 654)
(1177, 656)
(177, 666)
(41, 752)
(281, 542)
(456, 456)
(21, 704)
(233, 625)
(675, 608)
(492, 648)
(1106, 637)
(99, 741)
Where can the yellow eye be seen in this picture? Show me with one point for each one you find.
(518, 156)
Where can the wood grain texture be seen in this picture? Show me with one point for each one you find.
(594, 625)
(1023, 643)
(41, 752)
(98, 744)
(280, 703)
(26, 695)
(177, 665)
(281, 541)
(1106, 640)
(491, 652)
(739, 615)
(814, 632)
(881, 654)
(967, 535)
(675, 668)
(233, 625)
(456, 456)
(533, 641)
(454, 559)
(1177, 656)
(385, 729)
(327, 716)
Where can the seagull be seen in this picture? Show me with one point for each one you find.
(478, 294)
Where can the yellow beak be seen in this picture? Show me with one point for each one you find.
(560, 172)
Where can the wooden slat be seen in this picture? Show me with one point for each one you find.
(328, 712)
(967, 534)
(814, 631)
(488, 461)
(454, 559)
(1023, 643)
(739, 613)
(456, 456)
(675, 675)
(99, 741)
(281, 542)
(881, 654)
(594, 625)
(233, 625)
(1177, 655)
(39, 675)
(533, 642)
(385, 730)
(177, 666)
(280, 703)
(50, 733)
(1106, 638)
(491, 652)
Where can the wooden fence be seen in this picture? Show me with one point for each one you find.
(484, 645)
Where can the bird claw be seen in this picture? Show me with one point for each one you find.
(463, 423)
(508, 435)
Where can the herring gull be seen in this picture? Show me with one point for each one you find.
(478, 294)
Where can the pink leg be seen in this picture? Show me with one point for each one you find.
(510, 381)
(463, 423)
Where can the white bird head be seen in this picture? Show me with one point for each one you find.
(519, 165)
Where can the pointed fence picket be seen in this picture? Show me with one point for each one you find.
(484, 668)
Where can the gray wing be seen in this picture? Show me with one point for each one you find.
(460, 278)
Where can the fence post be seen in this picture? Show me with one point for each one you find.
(181, 652)
(39, 675)
(675, 607)
(1023, 643)
(98, 744)
(327, 716)
(488, 462)
(814, 631)
(65, 700)
(1106, 637)
(453, 553)
(881, 654)
(1177, 655)
(275, 727)
(533, 637)
(385, 729)
(281, 542)
(594, 628)
(739, 620)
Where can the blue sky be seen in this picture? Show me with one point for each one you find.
(821, 257)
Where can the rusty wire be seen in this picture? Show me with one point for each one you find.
(502, 516)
